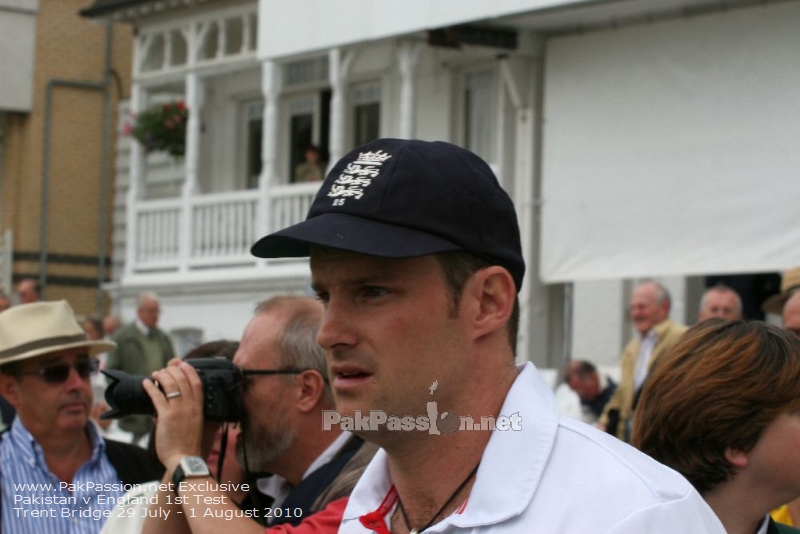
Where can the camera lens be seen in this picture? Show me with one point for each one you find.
(126, 396)
(221, 391)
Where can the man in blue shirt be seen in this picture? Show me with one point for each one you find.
(56, 473)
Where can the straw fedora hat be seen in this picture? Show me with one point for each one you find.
(30, 330)
(790, 282)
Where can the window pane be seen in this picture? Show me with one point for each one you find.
(478, 113)
(301, 131)
(367, 123)
(254, 134)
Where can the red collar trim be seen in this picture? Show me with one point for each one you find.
(376, 520)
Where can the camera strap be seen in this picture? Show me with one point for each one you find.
(223, 448)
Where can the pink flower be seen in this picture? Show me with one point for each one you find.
(127, 128)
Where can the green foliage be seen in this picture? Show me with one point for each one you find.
(162, 128)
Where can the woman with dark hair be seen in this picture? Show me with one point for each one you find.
(722, 407)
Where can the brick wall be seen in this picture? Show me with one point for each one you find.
(72, 48)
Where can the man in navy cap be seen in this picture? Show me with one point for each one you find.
(415, 253)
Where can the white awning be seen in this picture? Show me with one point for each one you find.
(673, 148)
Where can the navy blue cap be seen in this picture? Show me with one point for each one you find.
(398, 198)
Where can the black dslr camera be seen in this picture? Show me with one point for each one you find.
(222, 395)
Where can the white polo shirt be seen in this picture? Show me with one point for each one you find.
(555, 476)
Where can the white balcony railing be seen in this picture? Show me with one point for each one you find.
(157, 225)
(223, 226)
(290, 203)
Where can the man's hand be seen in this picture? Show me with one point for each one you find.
(179, 409)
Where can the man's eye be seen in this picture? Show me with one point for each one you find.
(375, 291)
(323, 297)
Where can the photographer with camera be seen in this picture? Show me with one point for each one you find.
(218, 443)
(284, 391)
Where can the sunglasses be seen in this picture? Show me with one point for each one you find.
(58, 373)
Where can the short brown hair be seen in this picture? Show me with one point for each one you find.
(297, 342)
(717, 388)
(458, 267)
(581, 368)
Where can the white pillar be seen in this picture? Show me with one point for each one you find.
(136, 169)
(408, 55)
(521, 79)
(339, 66)
(194, 103)
(533, 303)
(270, 88)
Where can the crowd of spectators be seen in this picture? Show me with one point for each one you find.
(392, 403)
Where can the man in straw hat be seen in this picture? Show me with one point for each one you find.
(791, 314)
(415, 253)
(56, 472)
(790, 283)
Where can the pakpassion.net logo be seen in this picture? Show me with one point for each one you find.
(448, 422)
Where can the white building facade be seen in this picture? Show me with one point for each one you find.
(590, 113)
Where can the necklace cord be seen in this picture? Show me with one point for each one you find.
(449, 500)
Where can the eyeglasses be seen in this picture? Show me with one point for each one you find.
(257, 372)
(58, 373)
(264, 372)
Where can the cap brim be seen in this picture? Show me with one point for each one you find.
(95, 348)
(775, 303)
(355, 234)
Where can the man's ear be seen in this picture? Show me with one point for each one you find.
(737, 458)
(310, 389)
(9, 389)
(494, 292)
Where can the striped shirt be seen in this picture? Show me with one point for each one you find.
(34, 500)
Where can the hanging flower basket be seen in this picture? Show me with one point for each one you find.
(161, 128)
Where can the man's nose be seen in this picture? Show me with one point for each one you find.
(74, 379)
(337, 326)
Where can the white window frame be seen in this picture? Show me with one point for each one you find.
(463, 81)
(361, 93)
(249, 109)
(295, 105)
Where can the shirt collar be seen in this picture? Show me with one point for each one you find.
(278, 488)
(329, 453)
(141, 326)
(649, 335)
(662, 327)
(489, 502)
(30, 450)
(657, 331)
